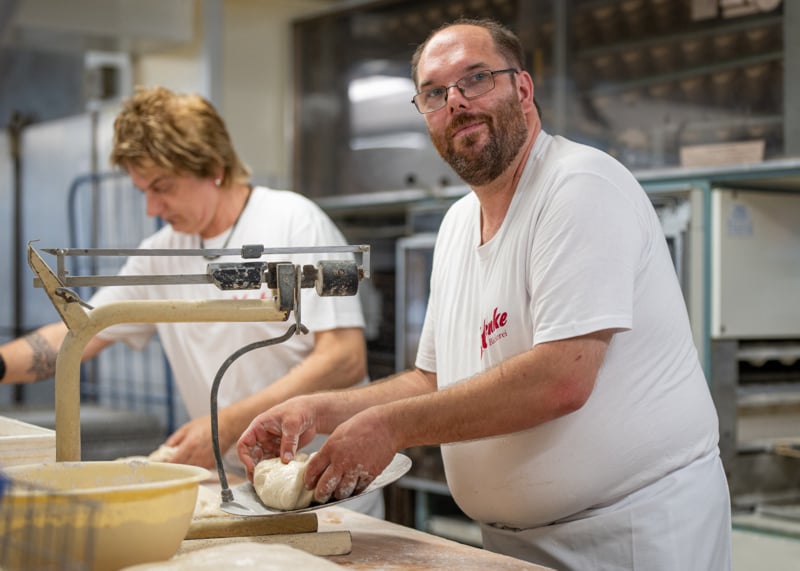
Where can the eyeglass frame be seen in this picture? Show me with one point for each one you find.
(447, 88)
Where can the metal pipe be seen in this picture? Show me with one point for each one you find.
(15, 128)
(67, 391)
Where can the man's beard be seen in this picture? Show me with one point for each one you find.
(507, 134)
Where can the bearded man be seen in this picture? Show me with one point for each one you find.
(556, 366)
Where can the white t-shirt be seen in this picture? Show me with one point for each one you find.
(195, 351)
(580, 250)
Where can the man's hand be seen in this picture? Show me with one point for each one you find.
(280, 431)
(353, 456)
(193, 444)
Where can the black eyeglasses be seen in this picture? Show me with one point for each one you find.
(470, 86)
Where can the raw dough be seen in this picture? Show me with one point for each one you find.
(163, 453)
(242, 555)
(280, 486)
(207, 504)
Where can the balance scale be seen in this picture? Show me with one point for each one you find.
(285, 279)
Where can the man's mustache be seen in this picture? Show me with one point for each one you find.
(463, 120)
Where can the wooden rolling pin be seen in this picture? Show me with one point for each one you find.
(211, 527)
(237, 526)
(296, 530)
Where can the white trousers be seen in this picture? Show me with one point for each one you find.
(681, 522)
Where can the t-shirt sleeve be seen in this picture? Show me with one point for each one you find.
(584, 258)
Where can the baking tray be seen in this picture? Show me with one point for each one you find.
(247, 503)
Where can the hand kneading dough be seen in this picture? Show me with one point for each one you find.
(280, 486)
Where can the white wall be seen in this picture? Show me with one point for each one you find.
(256, 71)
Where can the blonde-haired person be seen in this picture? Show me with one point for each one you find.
(177, 151)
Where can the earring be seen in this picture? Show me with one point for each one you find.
(218, 182)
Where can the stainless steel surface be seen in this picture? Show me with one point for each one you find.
(414, 255)
(755, 264)
(723, 381)
(246, 502)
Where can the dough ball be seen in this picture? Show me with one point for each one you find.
(280, 486)
(163, 453)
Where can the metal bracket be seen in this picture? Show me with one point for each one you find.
(72, 314)
(286, 278)
(237, 275)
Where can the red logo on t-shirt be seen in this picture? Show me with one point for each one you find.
(490, 331)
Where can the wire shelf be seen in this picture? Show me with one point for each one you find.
(43, 529)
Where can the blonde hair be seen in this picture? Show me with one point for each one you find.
(181, 133)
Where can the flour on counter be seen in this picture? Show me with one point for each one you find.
(207, 504)
(243, 555)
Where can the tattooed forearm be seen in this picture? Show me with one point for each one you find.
(43, 363)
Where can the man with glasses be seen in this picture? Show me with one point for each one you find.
(556, 365)
(470, 86)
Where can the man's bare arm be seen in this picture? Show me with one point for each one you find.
(33, 357)
(43, 356)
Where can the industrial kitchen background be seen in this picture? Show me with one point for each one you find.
(693, 95)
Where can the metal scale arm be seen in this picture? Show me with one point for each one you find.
(83, 322)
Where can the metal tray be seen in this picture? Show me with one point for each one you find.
(247, 503)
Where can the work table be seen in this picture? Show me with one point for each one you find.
(382, 545)
(379, 544)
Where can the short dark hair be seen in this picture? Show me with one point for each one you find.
(507, 43)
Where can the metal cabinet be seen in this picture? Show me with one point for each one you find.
(652, 81)
(741, 246)
(656, 83)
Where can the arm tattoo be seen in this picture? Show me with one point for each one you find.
(43, 364)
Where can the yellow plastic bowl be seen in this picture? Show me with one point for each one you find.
(102, 515)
